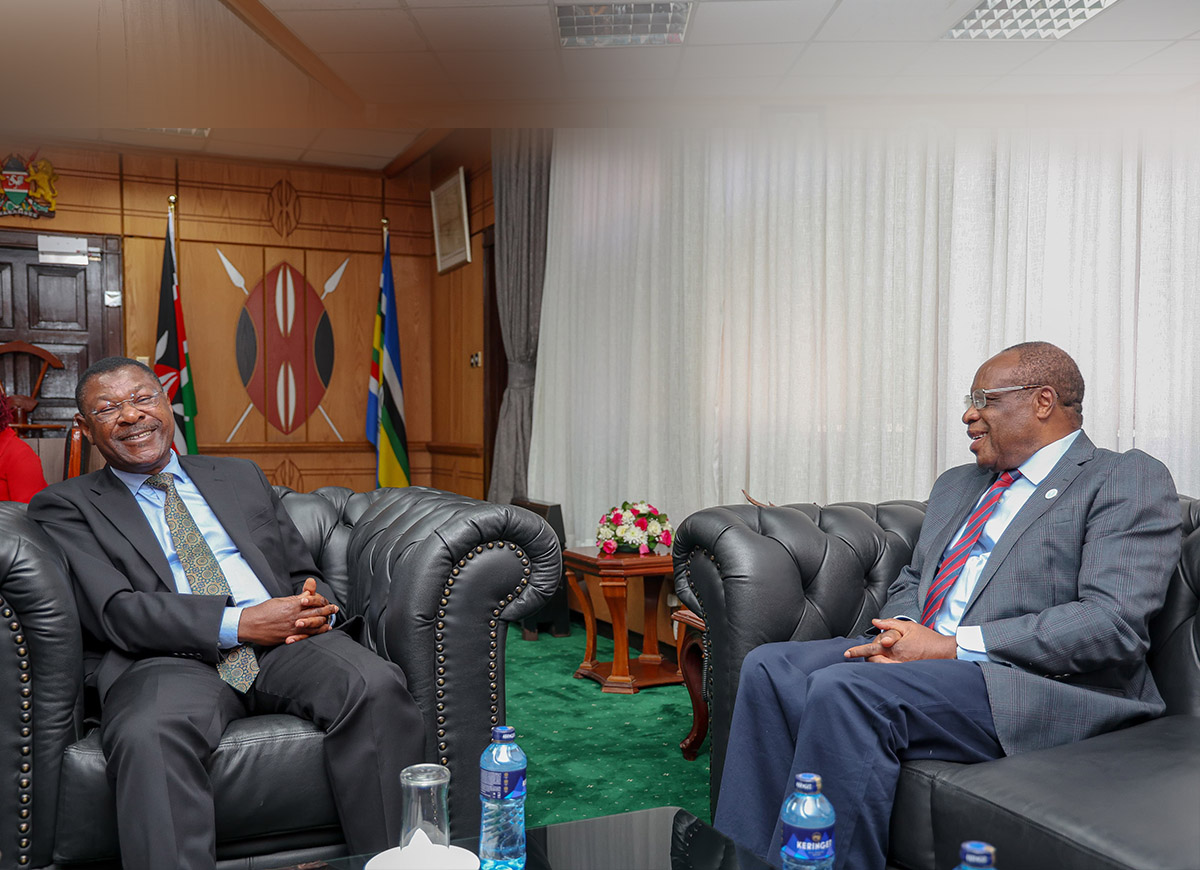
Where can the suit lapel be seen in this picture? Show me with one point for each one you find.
(113, 499)
(1060, 478)
(969, 497)
(221, 493)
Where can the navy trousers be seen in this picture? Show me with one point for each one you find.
(801, 706)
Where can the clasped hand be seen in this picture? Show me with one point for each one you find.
(287, 620)
(902, 640)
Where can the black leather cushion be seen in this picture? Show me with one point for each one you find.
(268, 774)
(911, 836)
(1126, 799)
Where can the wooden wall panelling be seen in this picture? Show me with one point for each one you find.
(146, 182)
(305, 467)
(89, 190)
(212, 309)
(350, 309)
(282, 205)
(407, 207)
(142, 274)
(275, 397)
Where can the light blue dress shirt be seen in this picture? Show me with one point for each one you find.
(1033, 471)
(244, 587)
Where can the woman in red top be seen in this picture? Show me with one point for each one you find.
(21, 475)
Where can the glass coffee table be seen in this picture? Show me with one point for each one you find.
(664, 838)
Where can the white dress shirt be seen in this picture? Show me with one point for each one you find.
(244, 587)
(1033, 471)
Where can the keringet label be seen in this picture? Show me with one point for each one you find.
(502, 784)
(813, 843)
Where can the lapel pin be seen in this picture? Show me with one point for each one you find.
(1051, 494)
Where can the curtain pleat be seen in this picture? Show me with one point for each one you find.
(798, 312)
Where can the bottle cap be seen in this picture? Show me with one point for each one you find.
(503, 734)
(808, 783)
(976, 853)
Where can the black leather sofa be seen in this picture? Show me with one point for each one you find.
(437, 576)
(1128, 799)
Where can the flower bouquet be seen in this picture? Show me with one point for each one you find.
(634, 527)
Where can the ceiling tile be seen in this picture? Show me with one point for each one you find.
(925, 86)
(393, 77)
(512, 27)
(479, 67)
(832, 85)
(1141, 19)
(354, 30)
(738, 60)
(889, 20)
(353, 161)
(256, 151)
(1179, 59)
(154, 139)
(598, 89)
(1089, 58)
(728, 86)
(975, 58)
(857, 58)
(366, 142)
(1042, 86)
(1130, 84)
(715, 22)
(287, 5)
(642, 62)
(298, 137)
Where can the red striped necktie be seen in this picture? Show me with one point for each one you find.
(953, 564)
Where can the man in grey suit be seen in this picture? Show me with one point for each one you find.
(1021, 623)
(173, 664)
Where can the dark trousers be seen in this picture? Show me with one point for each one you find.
(803, 707)
(163, 718)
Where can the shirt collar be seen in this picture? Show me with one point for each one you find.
(135, 481)
(1036, 467)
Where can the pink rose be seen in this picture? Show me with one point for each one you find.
(653, 509)
(609, 546)
(641, 523)
(616, 518)
(643, 549)
(665, 537)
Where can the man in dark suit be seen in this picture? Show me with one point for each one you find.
(1021, 623)
(150, 540)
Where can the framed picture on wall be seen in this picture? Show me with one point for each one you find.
(451, 235)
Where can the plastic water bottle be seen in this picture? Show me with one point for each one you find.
(975, 854)
(502, 791)
(807, 820)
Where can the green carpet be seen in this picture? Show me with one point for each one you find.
(595, 754)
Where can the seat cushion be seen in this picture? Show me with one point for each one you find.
(268, 777)
(1128, 799)
(911, 838)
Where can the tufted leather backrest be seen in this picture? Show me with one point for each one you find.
(324, 523)
(804, 572)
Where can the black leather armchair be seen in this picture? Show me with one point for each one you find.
(1129, 799)
(436, 576)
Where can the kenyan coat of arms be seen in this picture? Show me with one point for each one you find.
(28, 187)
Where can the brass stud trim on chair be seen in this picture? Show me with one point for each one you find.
(25, 782)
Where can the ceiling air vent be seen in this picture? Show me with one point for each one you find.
(600, 25)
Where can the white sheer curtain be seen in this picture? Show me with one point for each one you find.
(799, 312)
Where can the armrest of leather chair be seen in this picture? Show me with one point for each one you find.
(43, 672)
(439, 576)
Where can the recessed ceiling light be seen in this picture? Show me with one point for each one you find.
(1026, 19)
(197, 132)
(599, 25)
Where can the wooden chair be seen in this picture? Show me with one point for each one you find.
(23, 406)
(76, 452)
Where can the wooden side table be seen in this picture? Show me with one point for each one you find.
(620, 675)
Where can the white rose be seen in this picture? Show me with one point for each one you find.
(653, 527)
(605, 533)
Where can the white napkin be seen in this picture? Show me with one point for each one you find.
(420, 854)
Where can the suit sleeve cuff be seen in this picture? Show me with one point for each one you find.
(970, 643)
(228, 638)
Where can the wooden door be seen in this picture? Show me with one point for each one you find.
(72, 311)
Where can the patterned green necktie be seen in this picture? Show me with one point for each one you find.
(238, 666)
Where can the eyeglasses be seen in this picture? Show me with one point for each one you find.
(143, 403)
(978, 399)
